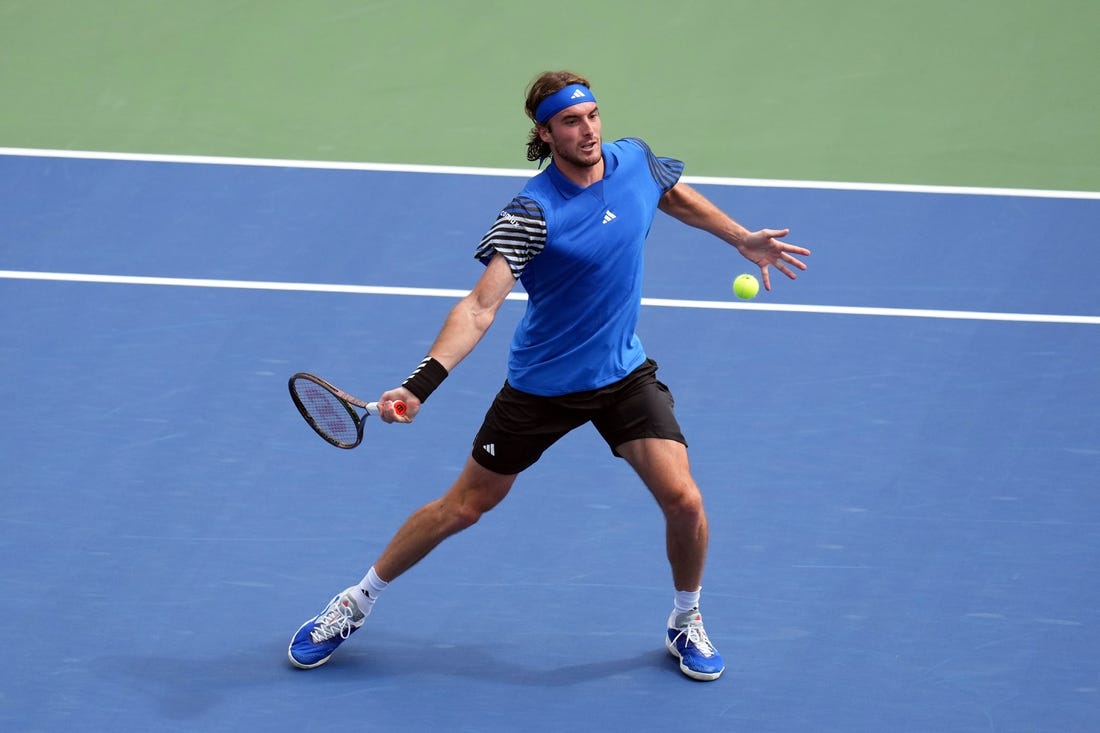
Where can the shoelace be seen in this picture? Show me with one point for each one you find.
(697, 635)
(337, 620)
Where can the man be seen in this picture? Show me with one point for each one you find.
(574, 235)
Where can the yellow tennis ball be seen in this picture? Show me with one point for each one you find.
(745, 287)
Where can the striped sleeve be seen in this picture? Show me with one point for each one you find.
(519, 234)
(665, 171)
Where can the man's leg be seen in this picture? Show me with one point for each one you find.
(663, 466)
(474, 492)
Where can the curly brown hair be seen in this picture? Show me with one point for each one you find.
(543, 86)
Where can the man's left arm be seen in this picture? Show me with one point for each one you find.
(762, 247)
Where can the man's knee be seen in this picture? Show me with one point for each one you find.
(476, 492)
(683, 502)
(466, 511)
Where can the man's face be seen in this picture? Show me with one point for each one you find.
(574, 135)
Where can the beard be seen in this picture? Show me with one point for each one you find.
(579, 159)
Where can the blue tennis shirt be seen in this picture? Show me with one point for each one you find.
(579, 254)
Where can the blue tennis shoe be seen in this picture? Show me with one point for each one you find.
(318, 638)
(687, 640)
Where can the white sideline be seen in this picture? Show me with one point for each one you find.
(453, 293)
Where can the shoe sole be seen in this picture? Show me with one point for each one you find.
(299, 665)
(701, 676)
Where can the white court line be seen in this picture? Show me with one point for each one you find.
(527, 173)
(453, 293)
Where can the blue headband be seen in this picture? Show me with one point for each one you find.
(559, 100)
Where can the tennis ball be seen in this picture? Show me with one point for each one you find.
(745, 287)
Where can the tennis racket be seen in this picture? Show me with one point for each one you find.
(331, 411)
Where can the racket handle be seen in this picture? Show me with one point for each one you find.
(372, 408)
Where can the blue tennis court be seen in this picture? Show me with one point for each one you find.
(905, 528)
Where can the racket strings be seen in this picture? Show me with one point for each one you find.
(327, 412)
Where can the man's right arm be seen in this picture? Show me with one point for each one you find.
(463, 328)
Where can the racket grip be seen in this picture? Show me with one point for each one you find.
(372, 408)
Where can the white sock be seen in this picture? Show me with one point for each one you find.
(686, 600)
(371, 586)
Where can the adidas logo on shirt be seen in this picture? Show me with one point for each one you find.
(608, 216)
(577, 93)
(490, 448)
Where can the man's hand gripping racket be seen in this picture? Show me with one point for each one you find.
(331, 412)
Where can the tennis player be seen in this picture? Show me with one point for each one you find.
(574, 235)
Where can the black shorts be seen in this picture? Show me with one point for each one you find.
(519, 426)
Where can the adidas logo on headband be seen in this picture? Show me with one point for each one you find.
(577, 93)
